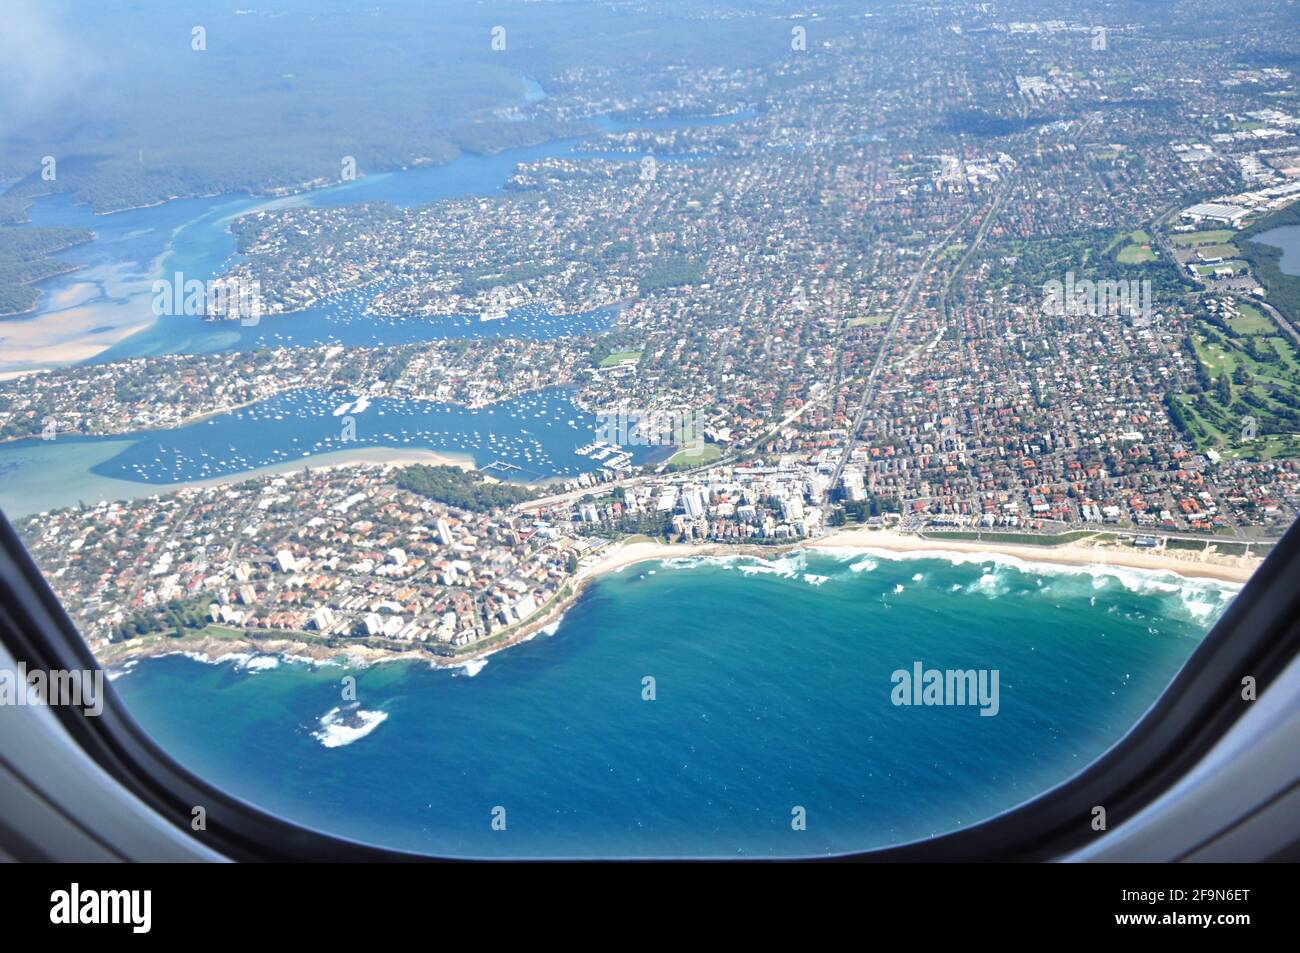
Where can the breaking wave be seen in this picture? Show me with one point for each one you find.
(471, 668)
(343, 726)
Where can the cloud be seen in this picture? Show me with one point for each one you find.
(41, 68)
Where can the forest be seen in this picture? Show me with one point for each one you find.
(462, 489)
(24, 259)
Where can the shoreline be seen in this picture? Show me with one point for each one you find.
(618, 557)
(115, 490)
(66, 353)
(1067, 554)
(196, 418)
(199, 417)
(361, 456)
(70, 268)
(1191, 566)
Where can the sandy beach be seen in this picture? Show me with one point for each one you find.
(55, 338)
(1191, 563)
(26, 498)
(385, 456)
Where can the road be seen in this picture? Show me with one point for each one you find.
(569, 496)
(869, 389)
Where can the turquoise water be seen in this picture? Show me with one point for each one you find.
(773, 691)
(533, 436)
(38, 475)
(536, 435)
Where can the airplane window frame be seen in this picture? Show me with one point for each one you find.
(1258, 635)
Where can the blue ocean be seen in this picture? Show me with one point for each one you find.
(698, 707)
